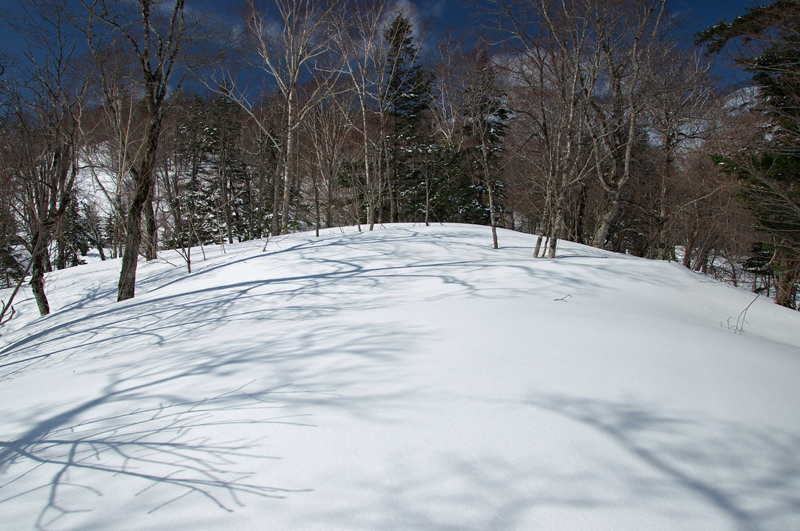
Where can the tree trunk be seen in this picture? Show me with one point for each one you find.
(687, 251)
(369, 176)
(606, 219)
(581, 212)
(38, 266)
(427, 199)
(786, 284)
(558, 224)
(492, 215)
(151, 249)
(287, 174)
(61, 256)
(545, 228)
(133, 231)
(276, 201)
(130, 254)
(317, 214)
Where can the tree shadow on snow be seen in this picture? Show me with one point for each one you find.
(167, 426)
(635, 467)
(174, 378)
(749, 475)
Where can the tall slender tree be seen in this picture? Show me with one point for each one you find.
(156, 44)
(408, 135)
(486, 116)
(47, 111)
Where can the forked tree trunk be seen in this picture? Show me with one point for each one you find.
(133, 230)
(606, 219)
(558, 224)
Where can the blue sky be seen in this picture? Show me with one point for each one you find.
(699, 13)
(445, 13)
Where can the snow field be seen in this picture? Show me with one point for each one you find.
(406, 378)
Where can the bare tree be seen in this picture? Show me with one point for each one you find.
(547, 43)
(156, 42)
(375, 38)
(623, 35)
(326, 136)
(111, 159)
(678, 103)
(486, 118)
(47, 109)
(292, 40)
(361, 40)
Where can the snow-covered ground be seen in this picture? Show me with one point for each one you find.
(406, 378)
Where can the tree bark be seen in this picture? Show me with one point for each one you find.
(133, 230)
(606, 219)
(151, 249)
(38, 267)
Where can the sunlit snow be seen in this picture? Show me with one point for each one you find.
(406, 378)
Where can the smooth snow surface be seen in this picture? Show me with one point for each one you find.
(406, 378)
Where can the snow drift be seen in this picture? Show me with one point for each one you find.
(406, 378)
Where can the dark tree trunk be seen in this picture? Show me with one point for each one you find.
(151, 250)
(61, 257)
(38, 267)
(580, 215)
(786, 284)
(276, 201)
(133, 230)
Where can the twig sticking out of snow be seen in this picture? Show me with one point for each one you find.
(740, 325)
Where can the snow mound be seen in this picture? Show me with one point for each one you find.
(406, 378)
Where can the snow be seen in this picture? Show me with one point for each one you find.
(406, 378)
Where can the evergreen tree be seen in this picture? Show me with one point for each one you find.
(223, 146)
(73, 239)
(195, 193)
(456, 195)
(11, 269)
(486, 118)
(410, 146)
(769, 171)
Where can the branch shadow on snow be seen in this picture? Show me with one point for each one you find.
(160, 419)
(167, 426)
(153, 447)
(330, 280)
(632, 466)
(750, 476)
(288, 297)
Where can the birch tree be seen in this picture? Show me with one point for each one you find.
(547, 41)
(623, 35)
(292, 41)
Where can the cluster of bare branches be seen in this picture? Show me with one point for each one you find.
(163, 447)
(585, 120)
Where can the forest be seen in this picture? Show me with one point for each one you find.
(132, 126)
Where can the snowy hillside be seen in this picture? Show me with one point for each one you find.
(406, 378)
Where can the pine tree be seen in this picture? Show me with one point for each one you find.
(410, 146)
(223, 146)
(486, 117)
(73, 239)
(769, 171)
(192, 205)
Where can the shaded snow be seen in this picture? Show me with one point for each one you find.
(406, 378)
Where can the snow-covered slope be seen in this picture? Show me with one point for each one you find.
(406, 378)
